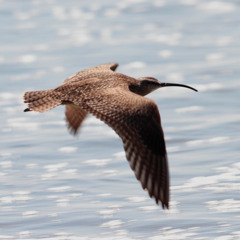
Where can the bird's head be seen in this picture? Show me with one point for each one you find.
(149, 84)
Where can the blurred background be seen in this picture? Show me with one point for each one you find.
(56, 186)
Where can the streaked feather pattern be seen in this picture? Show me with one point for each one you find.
(107, 95)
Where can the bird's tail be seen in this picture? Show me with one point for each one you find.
(40, 101)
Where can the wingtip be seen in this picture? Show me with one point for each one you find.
(114, 66)
(165, 205)
(71, 130)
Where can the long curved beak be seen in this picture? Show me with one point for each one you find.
(177, 85)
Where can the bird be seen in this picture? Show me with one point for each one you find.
(119, 101)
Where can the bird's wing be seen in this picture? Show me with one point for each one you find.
(104, 67)
(137, 121)
(74, 117)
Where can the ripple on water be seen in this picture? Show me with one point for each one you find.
(55, 167)
(30, 213)
(107, 213)
(226, 205)
(6, 164)
(112, 224)
(215, 140)
(59, 189)
(227, 180)
(176, 234)
(97, 162)
(189, 109)
(68, 149)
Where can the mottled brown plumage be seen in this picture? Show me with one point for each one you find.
(117, 100)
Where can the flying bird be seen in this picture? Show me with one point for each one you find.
(118, 100)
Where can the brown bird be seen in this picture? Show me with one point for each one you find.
(117, 100)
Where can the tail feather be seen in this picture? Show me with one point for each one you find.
(41, 101)
(35, 95)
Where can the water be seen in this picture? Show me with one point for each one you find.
(55, 186)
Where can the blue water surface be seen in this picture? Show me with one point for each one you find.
(54, 186)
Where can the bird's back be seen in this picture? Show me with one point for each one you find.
(100, 71)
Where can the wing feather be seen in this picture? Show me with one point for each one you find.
(137, 121)
(74, 117)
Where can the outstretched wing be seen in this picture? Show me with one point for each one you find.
(74, 117)
(137, 121)
(104, 67)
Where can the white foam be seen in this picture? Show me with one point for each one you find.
(47, 176)
(25, 25)
(21, 193)
(223, 41)
(58, 69)
(67, 149)
(31, 165)
(119, 155)
(2, 59)
(29, 213)
(165, 53)
(5, 154)
(189, 109)
(6, 200)
(173, 149)
(23, 16)
(112, 224)
(7, 96)
(22, 198)
(93, 121)
(214, 86)
(70, 171)
(5, 237)
(226, 205)
(19, 196)
(6, 164)
(41, 47)
(80, 37)
(137, 199)
(59, 13)
(149, 208)
(216, 6)
(55, 167)
(159, 3)
(75, 195)
(24, 233)
(62, 202)
(214, 57)
(174, 77)
(104, 194)
(111, 12)
(172, 39)
(188, 2)
(227, 180)
(110, 172)
(22, 123)
(21, 77)
(107, 213)
(134, 65)
(28, 58)
(202, 142)
(169, 233)
(97, 162)
(59, 189)
(98, 131)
